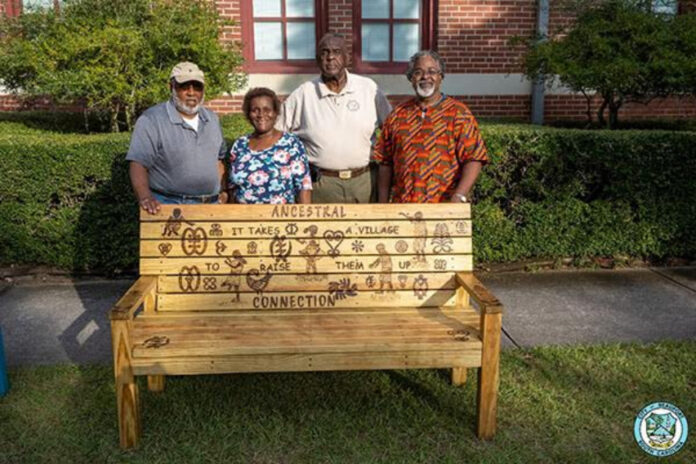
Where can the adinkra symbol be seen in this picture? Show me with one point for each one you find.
(462, 227)
(216, 230)
(281, 248)
(194, 241)
(189, 279)
(402, 280)
(174, 223)
(333, 239)
(252, 248)
(358, 246)
(442, 239)
(420, 286)
(209, 283)
(220, 247)
(165, 248)
(291, 228)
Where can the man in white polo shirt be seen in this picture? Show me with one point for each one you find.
(336, 115)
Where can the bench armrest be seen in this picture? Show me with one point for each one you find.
(125, 308)
(486, 301)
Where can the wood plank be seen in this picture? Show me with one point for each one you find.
(267, 229)
(487, 302)
(300, 300)
(136, 295)
(458, 376)
(489, 376)
(127, 398)
(319, 321)
(316, 283)
(262, 247)
(309, 212)
(340, 346)
(192, 269)
(301, 362)
(324, 313)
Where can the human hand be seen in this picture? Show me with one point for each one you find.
(223, 197)
(150, 205)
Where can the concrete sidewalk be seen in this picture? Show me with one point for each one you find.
(49, 323)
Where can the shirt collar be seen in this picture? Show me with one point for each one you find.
(176, 118)
(325, 92)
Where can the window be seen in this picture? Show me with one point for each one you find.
(387, 32)
(281, 35)
(16, 7)
(667, 7)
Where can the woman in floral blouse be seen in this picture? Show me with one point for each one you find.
(268, 166)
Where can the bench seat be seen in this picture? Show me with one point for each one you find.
(306, 340)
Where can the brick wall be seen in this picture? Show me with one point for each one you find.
(230, 9)
(473, 35)
(572, 107)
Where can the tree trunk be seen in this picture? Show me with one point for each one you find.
(600, 113)
(588, 99)
(113, 116)
(614, 106)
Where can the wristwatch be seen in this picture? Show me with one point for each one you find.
(461, 197)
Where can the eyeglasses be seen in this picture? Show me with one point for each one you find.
(432, 72)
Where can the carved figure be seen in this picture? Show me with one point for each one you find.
(234, 279)
(258, 285)
(174, 223)
(311, 254)
(420, 230)
(385, 263)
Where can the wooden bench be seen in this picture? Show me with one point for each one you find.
(236, 288)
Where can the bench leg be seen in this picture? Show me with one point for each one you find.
(126, 388)
(488, 376)
(155, 383)
(458, 376)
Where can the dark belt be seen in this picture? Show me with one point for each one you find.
(344, 173)
(200, 198)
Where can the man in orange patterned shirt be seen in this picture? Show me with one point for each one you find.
(430, 146)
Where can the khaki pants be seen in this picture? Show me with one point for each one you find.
(336, 190)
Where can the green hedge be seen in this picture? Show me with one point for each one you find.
(65, 199)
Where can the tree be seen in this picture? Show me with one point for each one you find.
(619, 50)
(115, 55)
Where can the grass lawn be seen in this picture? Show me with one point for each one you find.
(556, 405)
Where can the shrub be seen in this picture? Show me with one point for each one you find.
(65, 200)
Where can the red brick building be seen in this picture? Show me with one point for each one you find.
(279, 37)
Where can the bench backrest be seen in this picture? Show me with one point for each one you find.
(235, 257)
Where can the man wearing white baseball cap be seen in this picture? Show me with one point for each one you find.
(177, 147)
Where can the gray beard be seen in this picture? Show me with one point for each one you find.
(184, 108)
(425, 93)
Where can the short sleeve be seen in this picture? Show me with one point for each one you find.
(469, 145)
(285, 122)
(300, 166)
(383, 107)
(223, 146)
(383, 149)
(235, 153)
(143, 144)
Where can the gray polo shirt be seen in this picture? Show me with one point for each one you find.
(178, 158)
